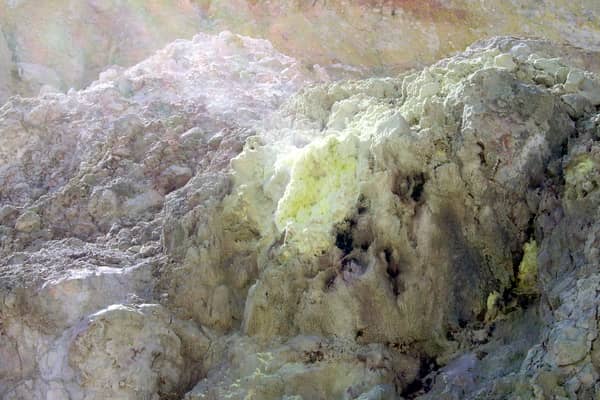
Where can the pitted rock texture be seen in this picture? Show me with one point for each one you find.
(215, 223)
(84, 163)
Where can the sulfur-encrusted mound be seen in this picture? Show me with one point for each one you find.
(417, 224)
(216, 236)
(401, 211)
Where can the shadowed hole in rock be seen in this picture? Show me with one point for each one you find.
(363, 206)
(392, 270)
(392, 266)
(529, 232)
(481, 315)
(417, 189)
(344, 240)
(409, 187)
(423, 383)
(352, 269)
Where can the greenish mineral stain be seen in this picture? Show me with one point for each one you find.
(528, 270)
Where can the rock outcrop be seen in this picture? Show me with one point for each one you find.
(84, 180)
(216, 223)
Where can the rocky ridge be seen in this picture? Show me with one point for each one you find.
(59, 44)
(217, 223)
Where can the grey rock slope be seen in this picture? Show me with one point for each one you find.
(213, 223)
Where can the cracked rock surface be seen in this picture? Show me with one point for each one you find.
(218, 222)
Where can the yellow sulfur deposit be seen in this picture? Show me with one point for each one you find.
(323, 187)
(528, 270)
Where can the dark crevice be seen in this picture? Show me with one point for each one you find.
(392, 270)
(423, 383)
(481, 315)
(481, 154)
(418, 186)
(392, 267)
(344, 241)
(529, 232)
(388, 255)
(179, 393)
(510, 295)
(330, 282)
(409, 187)
(564, 148)
(362, 205)
(517, 255)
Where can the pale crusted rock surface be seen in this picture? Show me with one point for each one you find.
(84, 178)
(214, 223)
(82, 162)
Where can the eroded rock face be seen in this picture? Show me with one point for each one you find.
(397, 211)
(229, 227)
(379, 214)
